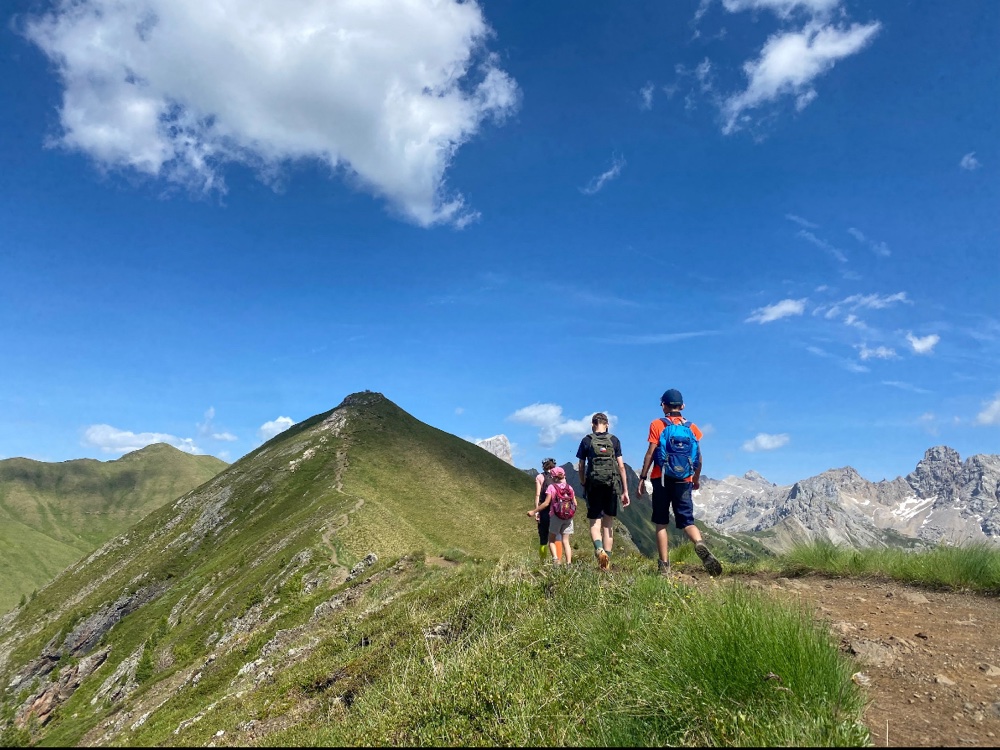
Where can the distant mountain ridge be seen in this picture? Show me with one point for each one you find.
(942, 500)
(499, 446)
(52, 514)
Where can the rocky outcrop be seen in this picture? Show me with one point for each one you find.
(942, 500)
(499, 446)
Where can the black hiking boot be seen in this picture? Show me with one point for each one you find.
(712, 565)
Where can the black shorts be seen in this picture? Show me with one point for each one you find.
(676, 494)
(601, 501)
(543, 526)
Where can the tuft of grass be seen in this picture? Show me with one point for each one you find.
(974, 567)
(514, 655)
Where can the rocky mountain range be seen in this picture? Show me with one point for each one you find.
(499, 446)
(944, 499)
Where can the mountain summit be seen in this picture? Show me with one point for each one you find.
(250, 554)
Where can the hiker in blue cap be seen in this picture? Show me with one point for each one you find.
(674, 457)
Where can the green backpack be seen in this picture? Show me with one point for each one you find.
(603, 464)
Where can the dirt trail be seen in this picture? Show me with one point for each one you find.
(931, 659)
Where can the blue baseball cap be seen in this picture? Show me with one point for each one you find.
(672, 397)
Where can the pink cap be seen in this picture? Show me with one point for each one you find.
(558, 471)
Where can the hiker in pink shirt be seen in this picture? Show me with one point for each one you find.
(560, 500)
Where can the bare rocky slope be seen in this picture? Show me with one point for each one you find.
(943, 500)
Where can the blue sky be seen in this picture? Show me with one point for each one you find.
(221, 220)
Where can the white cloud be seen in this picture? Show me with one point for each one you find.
(791, 60)
(112, 440)
(778, 310)
(592, 187)
(275, 427)
(923, 344)
(970, 162)
(990, 413)
(227, 437)
(459, 410)
(646, 94)
(552, 424)
(879, 248)
(383, 92)
(801, 222)
(765, 442)
(879, 352)
(837, 253)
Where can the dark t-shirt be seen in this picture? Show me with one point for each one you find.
(586, 450)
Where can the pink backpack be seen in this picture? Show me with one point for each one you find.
(563, 501)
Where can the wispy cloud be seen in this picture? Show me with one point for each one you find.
(801, 222)
(207, 428)
(990, 415)
(970, 162)
(113, 440)
(905, 386)
(646, 96)
(274, 427)
(655, 338)
(879, 352)
(765, 442)
(777, 311)
(595, 185)
(862, 302)
(847, 364)
(822, 244)
(552, 423)
(879, 248)
(923, 344)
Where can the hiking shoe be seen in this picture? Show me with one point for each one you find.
(712, 565)
(603, 561)
(665, 568)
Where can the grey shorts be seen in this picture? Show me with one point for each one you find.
(559, 525)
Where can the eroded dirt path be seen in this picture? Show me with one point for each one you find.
(931, 659)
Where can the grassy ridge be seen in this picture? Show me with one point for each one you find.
(487, 654)
(975, 567)
(51, 514)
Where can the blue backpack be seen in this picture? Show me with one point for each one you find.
(677, 452)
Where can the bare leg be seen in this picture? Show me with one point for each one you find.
(608, 532)
(662, 542)
(567, 548)
(595, 529)
(693, 533)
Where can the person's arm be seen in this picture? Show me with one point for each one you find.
(581, 464)
(647, 462)
(539, 481)
(696, 479)
(543, 506)
(621, 470)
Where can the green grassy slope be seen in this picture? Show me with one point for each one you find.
(51, 514)
(232, 610)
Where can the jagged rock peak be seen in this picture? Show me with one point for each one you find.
(937, 469)
(753, 476)
(499, 446)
